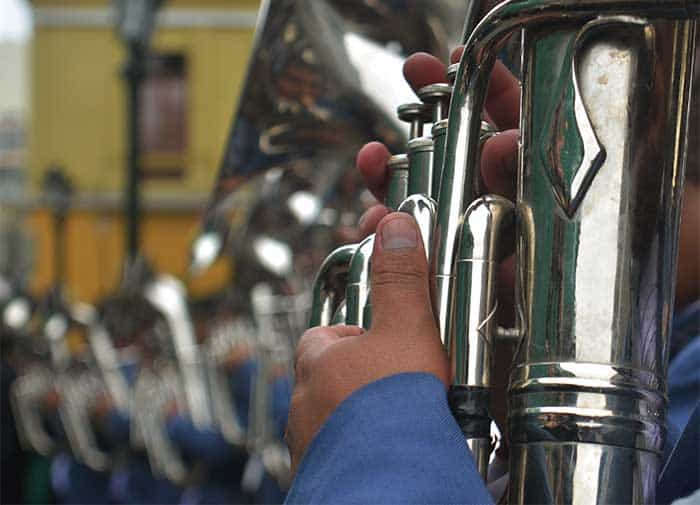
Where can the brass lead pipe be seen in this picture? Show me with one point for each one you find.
(325, 300)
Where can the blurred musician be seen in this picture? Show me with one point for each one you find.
(219, 463)
(222, 479)
(132, 321)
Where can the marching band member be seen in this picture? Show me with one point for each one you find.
(134, 482)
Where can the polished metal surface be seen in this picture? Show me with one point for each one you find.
(472, 348)
(420, 166)
(437, 96)
(598, 203)
(452, 72)
(423, 210)
(77, 391)
(459, 184)
(585, 473)
(397, 189)
(439, 134)
(107, 362)
(341, 314)
(358, 285)
(329, 285)
(260, 428)
(324, 78)
(480, 448)
(416, 115)
(477, 262)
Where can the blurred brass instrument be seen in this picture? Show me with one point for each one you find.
(324, 77)
(279, 319)
(31, 387)
(173, 375)
(78, 372)
(82, 376)
(604, 117)
(28, 392)
(227, 336)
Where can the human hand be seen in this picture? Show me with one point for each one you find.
(333, 362)
(498, 174)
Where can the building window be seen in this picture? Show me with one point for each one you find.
(163, 116)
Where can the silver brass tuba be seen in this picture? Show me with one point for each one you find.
(604, 117)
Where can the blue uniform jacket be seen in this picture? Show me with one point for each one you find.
(226, 463)
(134, 483)
(395, 441)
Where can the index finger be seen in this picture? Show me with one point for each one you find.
(371, 162)
(421, 69)
(503, 96)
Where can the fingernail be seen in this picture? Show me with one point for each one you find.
(399, 233)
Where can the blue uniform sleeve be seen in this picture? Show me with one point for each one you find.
(681, 476)
(393, 441)
(241, 380)
(205, 444)
(281, 395)
(117, 427)
(684, 384)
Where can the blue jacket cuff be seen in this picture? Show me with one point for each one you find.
(393, 441)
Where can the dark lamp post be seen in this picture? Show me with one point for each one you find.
(58, 191)
(134, 24)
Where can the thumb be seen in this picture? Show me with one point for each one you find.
(400, 290)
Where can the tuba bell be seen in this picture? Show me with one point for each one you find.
(604, 126)
(318, 86)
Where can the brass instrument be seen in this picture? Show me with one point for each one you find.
(337, 55)
(78, 372)
(81, 375)
(279, 318)
(27, 392)
(175, 374)
(227, 336)
(36, 380)
(604, 117)
(99, 374)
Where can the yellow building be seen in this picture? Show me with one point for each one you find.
(201, 49)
